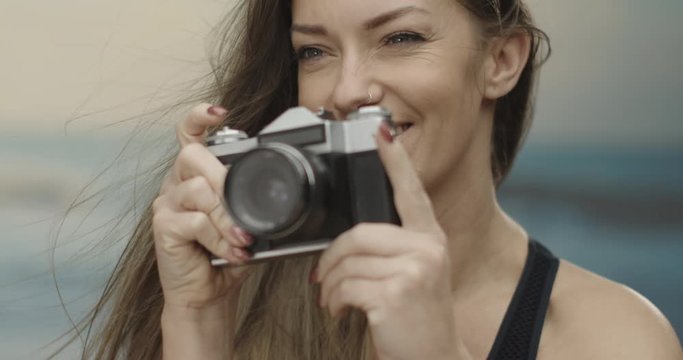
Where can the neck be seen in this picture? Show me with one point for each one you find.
(486, 246)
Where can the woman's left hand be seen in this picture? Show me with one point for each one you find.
(398, 275)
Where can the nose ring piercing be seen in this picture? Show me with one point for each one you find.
(369, 97)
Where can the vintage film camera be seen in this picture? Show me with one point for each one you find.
(304, 179)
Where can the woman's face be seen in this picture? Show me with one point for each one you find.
(415, 57)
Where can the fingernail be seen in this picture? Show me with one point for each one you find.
(217, 110)
(385, 133)
(313, 277)
(241, 253)
(242, 236)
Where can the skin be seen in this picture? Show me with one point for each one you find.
(452, 267)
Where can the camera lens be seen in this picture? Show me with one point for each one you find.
(272, 190)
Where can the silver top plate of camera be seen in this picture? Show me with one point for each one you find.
(299, 126)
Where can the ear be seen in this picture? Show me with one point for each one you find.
(504, 64)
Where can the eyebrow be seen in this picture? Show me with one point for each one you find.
(371, 24)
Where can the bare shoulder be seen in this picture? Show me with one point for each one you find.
(591, 317)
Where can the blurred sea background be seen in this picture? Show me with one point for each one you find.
(598, 181)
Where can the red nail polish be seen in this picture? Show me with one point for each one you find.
(385, 133)
(236, 253)
(241, 253)
(217, 110)
(242, 236)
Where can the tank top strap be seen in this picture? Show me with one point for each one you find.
(520, 331)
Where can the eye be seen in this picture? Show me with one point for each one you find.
(403, 37)
(309, 53)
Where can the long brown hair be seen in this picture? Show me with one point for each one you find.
(255, 77)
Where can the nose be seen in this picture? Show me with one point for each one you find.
(355, 88)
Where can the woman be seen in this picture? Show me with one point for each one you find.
(447, 284)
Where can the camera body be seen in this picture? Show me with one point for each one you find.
(304, 179)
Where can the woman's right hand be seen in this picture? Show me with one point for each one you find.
(190, 219)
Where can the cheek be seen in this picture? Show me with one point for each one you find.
(305, 97)
(449, 106)
(314, 89)
(436, 84)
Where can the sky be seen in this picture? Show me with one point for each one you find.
(613, 77)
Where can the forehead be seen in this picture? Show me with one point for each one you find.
(355, 12)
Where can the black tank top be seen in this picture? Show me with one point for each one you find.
(520, 331)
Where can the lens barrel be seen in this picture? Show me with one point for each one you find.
(276, 191)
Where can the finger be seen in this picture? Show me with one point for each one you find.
(196, 194)
(167, 184)
(381, 240)
(196, 160)
(192, 129)
(353, 292)
(363, 267)
(412, 202)
(175, 231)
